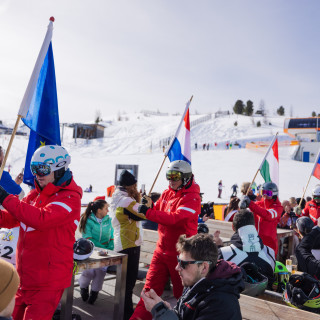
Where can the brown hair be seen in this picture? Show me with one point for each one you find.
(233, 205)
(200, 246)
(133, 192)
(92, 207)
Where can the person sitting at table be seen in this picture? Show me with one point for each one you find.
(306, 251)
(247, 246)
(95, 225)
(211, 287)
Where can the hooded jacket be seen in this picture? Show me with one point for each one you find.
(125, 220)
(213, 297)
(312, 210)
(247, 246)
(177, 213)
(48, 219)
(267, 214)
(101, 234)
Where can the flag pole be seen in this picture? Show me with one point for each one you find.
(270, 146)
(305, 189)
(166, 154)
(25, 103)
(10, 144)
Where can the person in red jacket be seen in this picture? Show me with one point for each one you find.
(176, 213)
(48, 217)
(312, 208)
(267, 214)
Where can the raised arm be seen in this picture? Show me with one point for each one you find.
(52, 215)
(273, 213)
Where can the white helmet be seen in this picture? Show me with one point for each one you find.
(316, 191)
(181, 166)
(57, 156)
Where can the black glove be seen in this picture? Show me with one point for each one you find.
(3, 194)
(244, 202)
(143, 209)
(146, 200)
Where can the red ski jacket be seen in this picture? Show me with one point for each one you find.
(267, 214)
(312, 210)
(177, 213)
(48, 220)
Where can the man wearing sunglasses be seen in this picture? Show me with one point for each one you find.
(48, 217)
(312, 208)
(267, 213)
(212, 287)
(176, 213)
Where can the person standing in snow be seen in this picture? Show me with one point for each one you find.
(234, 190)
(220, 189)
(176, 213)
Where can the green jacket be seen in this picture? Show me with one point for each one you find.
(101, 234)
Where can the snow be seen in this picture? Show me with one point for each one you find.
(135, 140)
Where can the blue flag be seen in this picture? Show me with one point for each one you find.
(43, 116)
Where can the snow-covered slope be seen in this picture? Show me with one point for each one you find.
(136, 141)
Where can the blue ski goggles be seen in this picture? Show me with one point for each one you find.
(40, 169)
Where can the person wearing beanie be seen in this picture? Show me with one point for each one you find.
(9, 283)
(127, 230)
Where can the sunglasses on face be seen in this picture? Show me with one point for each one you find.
(41, 169)
(183, 264)
(267, 193)
(174, 175)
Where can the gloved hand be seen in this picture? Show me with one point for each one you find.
(143, 209)
(3, 194)
(146, 200)
(244, 202)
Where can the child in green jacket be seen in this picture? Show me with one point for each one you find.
(95, 225)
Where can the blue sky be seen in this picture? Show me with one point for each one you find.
(129, 55)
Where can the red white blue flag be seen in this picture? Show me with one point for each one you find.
(316, 168)
(180, 148)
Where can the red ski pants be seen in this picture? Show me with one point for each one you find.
(36, 304)
(162, 266)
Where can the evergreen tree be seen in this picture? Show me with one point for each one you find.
(280, 111)
(314, 114)
(249, 108)
(258, 124)
(238, 107)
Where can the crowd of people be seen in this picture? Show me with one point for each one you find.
(207, 277)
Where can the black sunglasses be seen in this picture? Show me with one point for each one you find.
(183, 264)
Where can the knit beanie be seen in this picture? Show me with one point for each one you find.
(9, 282)
(127, 179)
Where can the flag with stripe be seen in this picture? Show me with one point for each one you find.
(316, 168)
(39, 107)
(269, 168)
(180, 147)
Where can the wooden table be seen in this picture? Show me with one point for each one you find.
(257, 309)
(96, 261)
